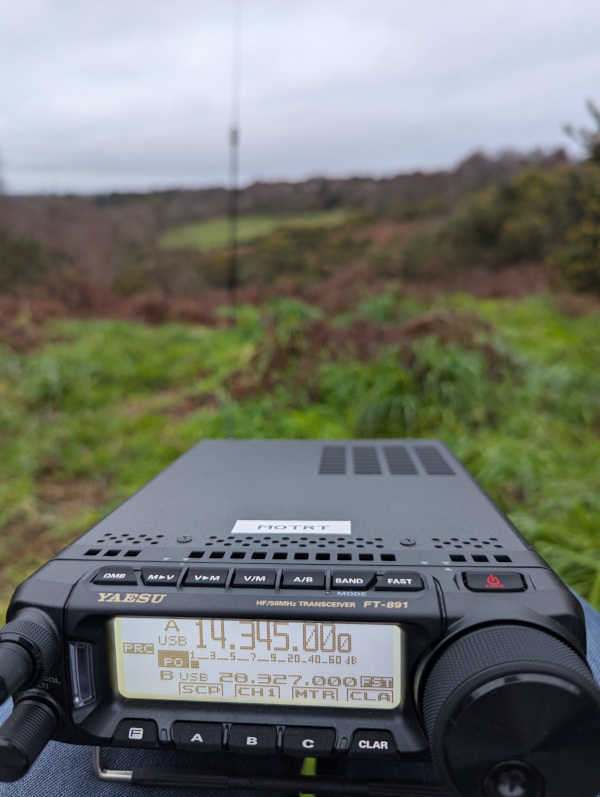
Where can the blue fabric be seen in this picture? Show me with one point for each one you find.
(66, 770)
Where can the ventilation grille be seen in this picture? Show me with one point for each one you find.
(399, 461)
(293, 555)
(118, 544)
(333, 460)
(433, 462)
(457, 543)
(366, 461)
(130, 539)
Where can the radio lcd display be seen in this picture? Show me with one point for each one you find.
(269, 662)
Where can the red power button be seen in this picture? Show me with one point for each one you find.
(497, 581)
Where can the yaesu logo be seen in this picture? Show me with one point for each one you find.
(131, 597)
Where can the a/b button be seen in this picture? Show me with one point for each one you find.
(303, 579)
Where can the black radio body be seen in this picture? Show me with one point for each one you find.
(341, 600)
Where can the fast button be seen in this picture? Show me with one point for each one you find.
(399, 581)
(308, 741)
(494, 581)
(373, 743)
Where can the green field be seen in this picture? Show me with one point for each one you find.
(214, 233)
(512, 386)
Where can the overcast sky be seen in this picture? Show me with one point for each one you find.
(136, 94)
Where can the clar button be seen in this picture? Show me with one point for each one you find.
(373, 743)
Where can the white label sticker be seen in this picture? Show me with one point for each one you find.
(292, 527)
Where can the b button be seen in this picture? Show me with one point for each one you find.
(260, 739)
(314, 742)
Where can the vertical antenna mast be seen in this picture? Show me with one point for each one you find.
(234, 141)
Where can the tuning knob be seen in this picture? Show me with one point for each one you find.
(512, 711)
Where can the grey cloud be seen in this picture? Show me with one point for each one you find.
(137, 94)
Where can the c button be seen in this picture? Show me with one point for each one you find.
(316, 742)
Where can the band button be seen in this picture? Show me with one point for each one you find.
(352, 579)
(202, 737)
(308, 741)
(373, 743)
(260, 739)
(399, 581)
(136, 733)
(163, 576)
(116, 575)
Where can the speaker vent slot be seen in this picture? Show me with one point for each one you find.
(333, 461)
(399, 461)
(470, 543)
(366, 461)
(130, 539)
(433, 462)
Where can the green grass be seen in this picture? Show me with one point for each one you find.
(214, 233)
(112, 403)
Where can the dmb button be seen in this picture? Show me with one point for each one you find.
(116, 575)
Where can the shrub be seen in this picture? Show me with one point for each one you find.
(551, 216)
(24, 262)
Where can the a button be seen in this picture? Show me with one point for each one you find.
(163, 576)
(254, 578)
(136, 733)
(352, 579)
(205, 577)
(260, 739)
(495, 581)
(399, 581)
(303, 579)
(308, 741)
(202, 737)
(116, 575)
(373, 743)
